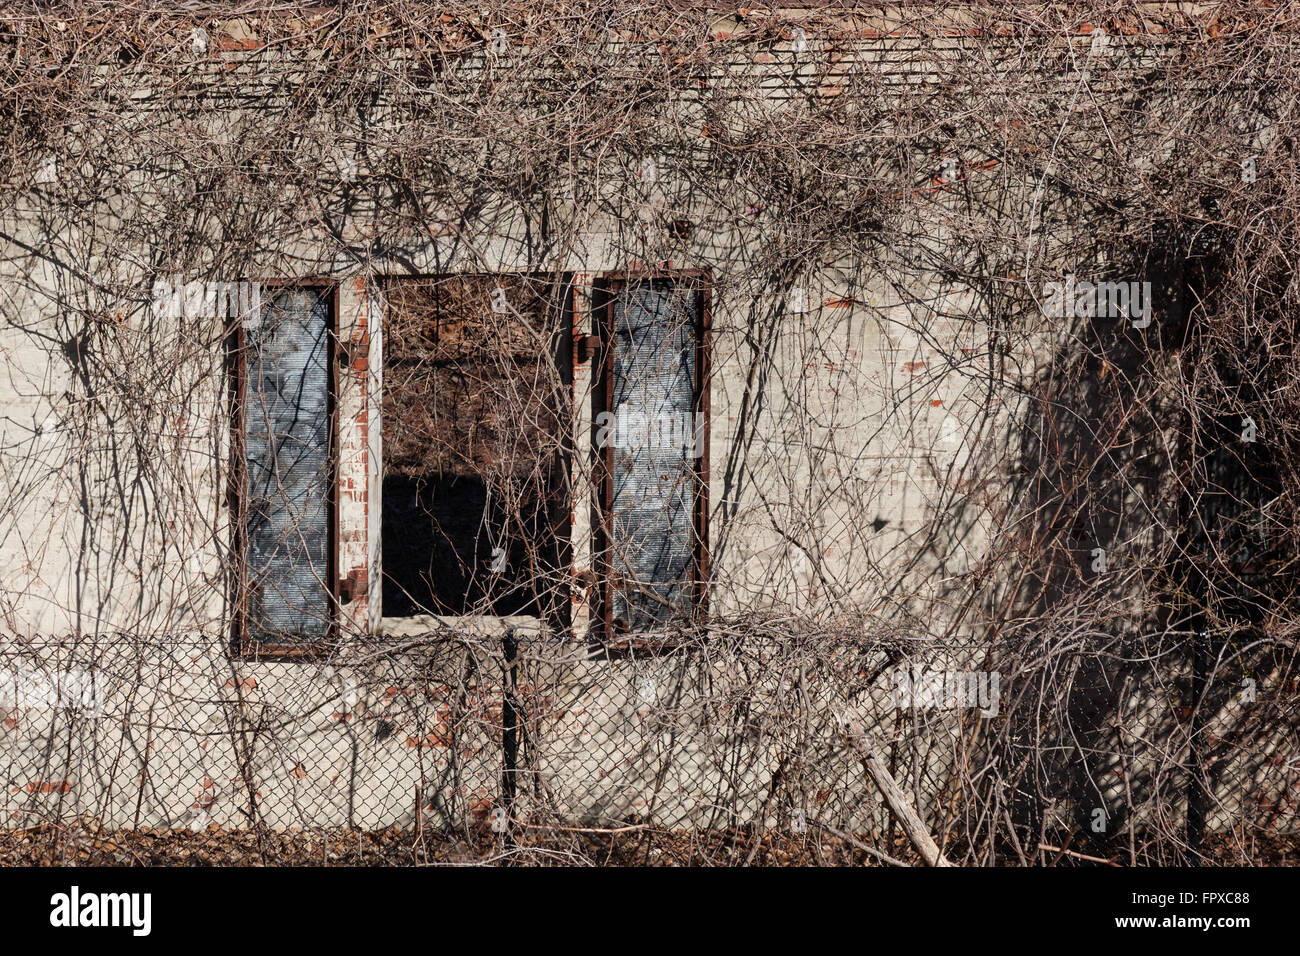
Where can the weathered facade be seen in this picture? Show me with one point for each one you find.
(574, 415)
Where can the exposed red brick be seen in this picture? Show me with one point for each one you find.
(440, 738)
(47, 786)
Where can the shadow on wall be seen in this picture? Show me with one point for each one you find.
(1119, 576)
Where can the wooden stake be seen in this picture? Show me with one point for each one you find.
(897, 800)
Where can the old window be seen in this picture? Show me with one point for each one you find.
(651, 438)
(283, 472)
(476, 387)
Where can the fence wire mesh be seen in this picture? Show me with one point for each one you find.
(524, 748)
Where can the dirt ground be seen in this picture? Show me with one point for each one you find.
(82, 844)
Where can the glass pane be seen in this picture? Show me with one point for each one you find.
(286, 422)
(655, 441)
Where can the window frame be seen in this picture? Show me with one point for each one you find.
(601, 603)
(242, 644)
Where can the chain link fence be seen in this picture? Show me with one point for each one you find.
(532, 749)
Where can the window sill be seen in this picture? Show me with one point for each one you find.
(485, 626)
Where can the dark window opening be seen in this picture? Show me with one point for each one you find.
(651, 439)
(475, 515)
